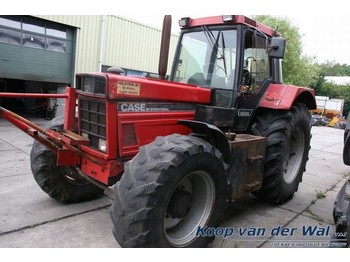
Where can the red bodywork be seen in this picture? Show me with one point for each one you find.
(128, 129)
(235, 19)
(132, 125)
(138, 125)
(137, 110)
(279, 96)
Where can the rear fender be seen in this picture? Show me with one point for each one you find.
(280, 96)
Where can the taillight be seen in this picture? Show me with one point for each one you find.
(128, 135)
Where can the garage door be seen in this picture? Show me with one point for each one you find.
(34, 49)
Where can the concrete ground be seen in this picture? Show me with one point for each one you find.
(31, 219)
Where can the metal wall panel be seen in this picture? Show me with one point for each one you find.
(19, 62)
(124, 43)
(133, 45)
(36, 55)
(87, 39)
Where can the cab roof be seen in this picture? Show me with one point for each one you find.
(227, 19)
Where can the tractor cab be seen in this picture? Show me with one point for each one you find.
(234, 57)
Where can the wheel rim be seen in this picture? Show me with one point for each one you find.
(182, 231)
(295, 155)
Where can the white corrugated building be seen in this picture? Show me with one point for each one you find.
(114, 41)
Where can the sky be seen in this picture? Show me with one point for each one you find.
(323, 24)
(324, 37)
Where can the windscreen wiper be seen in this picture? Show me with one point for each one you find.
(215, 46)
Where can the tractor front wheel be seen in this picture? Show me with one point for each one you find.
(172, 189)
(63, 184)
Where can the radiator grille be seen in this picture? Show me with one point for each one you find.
(93, 120)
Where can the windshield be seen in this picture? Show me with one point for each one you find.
(207, 58)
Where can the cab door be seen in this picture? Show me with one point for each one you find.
(254, 76)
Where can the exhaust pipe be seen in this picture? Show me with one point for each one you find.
(164, 47)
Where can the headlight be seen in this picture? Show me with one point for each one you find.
(85, 135)
(227, 18)
(91, 84)
(102, 145)
(184, 22)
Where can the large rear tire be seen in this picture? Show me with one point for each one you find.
(63, 184)
(288, 144)
(169, 189)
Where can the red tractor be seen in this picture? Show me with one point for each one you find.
(223, 126)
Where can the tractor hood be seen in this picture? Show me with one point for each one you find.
(122, 87)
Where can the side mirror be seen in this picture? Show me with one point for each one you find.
(277, 47)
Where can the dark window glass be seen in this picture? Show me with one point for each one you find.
(56, 32)
(256, 63)
(207, 58)
(34, 34)
(10, 22)
(33, 41)
(34, 28)
(56, 45)
(10, 36)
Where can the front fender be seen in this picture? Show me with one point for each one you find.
(280, 96)
(215, 136)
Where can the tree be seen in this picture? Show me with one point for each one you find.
(332, 68)
(297, 68)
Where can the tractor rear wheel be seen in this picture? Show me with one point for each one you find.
(288, 144)
(172, 188)
(63, 184)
